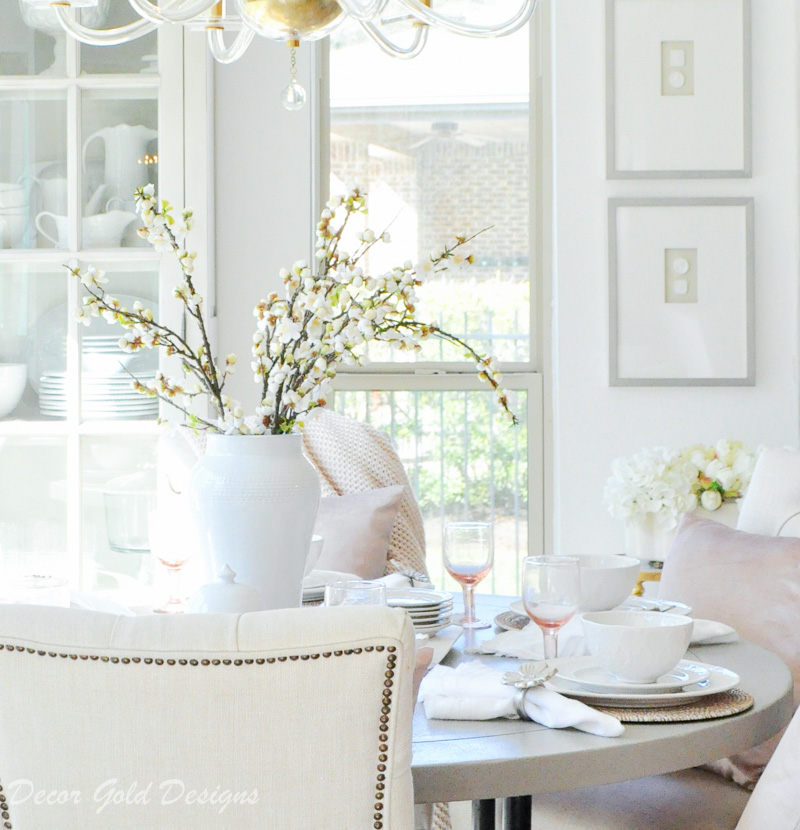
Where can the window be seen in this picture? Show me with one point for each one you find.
(442, 142)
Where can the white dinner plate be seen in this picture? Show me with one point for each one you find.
(417, 598)
(669, 606)
(445, 615)
(630, 604)
(428, 614)
(594, 678)
(432, 629)
(719, 680)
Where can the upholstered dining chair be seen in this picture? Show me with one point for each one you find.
(352, 457)
(277, 720)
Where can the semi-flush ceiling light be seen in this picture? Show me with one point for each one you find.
(291, 21)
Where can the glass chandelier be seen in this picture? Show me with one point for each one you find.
(291, 21)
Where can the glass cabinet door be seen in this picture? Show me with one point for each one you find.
(79, 132)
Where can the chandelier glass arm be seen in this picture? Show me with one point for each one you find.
(184, 11)
(417, 45)
(427, 15)
(363, 9)
(229, 54)
(101, 37)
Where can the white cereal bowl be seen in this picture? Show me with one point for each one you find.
(637, 646)
(607, 581)
(12, 384)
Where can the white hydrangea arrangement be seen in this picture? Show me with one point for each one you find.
(654, 481)
(724, 471)
(322, 320)
(667, 483)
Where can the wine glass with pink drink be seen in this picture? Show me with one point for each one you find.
(468, 556)
(551, 594)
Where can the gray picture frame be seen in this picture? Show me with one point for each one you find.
(746, 327)
(616, 103)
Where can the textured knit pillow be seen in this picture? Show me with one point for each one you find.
(356, 530)
(749, 581)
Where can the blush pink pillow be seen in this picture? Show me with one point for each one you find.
(356, 530)
(748, 581)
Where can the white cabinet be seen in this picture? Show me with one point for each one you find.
(80, 128)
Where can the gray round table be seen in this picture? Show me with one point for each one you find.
(486, 760)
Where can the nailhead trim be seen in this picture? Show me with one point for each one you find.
(386, 696)
(4, 806)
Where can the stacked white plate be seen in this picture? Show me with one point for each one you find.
(430, 611)
(103, 396)
(107, 371)
(583, 679)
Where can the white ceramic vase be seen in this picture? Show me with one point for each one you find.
(647, 539)
(254, 499)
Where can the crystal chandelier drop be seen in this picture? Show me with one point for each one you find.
(291, 21)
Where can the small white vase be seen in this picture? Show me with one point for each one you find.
(254, 500)
(647, 539)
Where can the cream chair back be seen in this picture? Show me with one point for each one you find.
(775, 802)
(771, 506)
(277, 720)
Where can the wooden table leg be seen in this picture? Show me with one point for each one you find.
(483, 814)
(517, 813)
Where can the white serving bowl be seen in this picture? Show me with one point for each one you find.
(637, 646)
(12, 384)
(607, 581)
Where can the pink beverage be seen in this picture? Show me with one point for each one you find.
(550, 615)
(468, 574)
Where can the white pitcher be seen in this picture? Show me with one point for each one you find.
(103, 230)
(125, 148)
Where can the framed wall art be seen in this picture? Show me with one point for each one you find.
(681, 292)
(678, 88)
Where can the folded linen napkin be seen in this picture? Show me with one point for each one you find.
(474, 691)
(528, 644)
(711, 632)
(97, 603)
(319, 578)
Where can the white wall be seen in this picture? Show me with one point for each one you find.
(594, 423)
(263, 192)
(263, 182)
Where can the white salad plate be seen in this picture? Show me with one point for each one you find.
(594, 678)
(667, 606)
(630, 604)
(719, 680)
(432, 629)
(417, 598)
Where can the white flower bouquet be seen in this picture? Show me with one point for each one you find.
(724, 471)
(322, 320)
(655, 482)
(667, 483)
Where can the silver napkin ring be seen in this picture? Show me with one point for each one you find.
(519, 704)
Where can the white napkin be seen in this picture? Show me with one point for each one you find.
(474, 691)
(710, 632)
(95, 603)
(528, 643)
(317, 579)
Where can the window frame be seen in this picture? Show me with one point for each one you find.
(433, 375)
